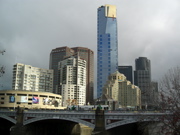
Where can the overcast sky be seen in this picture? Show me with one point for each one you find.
(30, 29)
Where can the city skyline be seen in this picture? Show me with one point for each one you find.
(145, 29)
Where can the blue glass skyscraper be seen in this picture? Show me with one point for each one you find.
(107, 53)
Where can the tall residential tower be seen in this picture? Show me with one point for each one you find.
(60, 54)
(107, 53)
(73, 80)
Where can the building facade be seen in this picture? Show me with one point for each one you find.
(61, 53)
(120, 89)
(127, 71)
(142, 78)
(154, 93)
(29, 100)
(88, 56)
(56, 56)
(72, 80)
(27, 77)
(107, 45)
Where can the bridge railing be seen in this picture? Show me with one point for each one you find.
(88, 111)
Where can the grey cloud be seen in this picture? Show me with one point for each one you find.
(30, 29)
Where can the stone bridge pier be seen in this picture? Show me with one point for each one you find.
(18, 128)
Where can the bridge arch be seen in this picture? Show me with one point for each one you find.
(125, 122)
(8, 118)
(91, 125)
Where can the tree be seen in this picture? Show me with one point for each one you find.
(2, 68)
(71, 102)
(170, 101)
(74, 102)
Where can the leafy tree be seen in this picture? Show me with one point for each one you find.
(71, 102)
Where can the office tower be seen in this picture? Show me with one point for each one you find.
(72, 78)
(26, 77)
(107, 53)
(127, 71)
(142, 78)
(61, 53)
(121, 90)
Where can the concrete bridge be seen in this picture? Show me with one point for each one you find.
(112, 119)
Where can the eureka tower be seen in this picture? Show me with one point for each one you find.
(107, 53)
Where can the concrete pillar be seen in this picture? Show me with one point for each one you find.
(76, 130)
(18, 129)
(99, 123)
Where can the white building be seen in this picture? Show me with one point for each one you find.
(26, 77)
(72, 80)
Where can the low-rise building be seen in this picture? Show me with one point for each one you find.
(29, 100)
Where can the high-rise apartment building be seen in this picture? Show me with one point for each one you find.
(26, 77)
(120, 89)
(107, 53)
(127, 71)
(88, 56)
(61, 53)
(142, 78)
(56, 56)
(72, 79)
